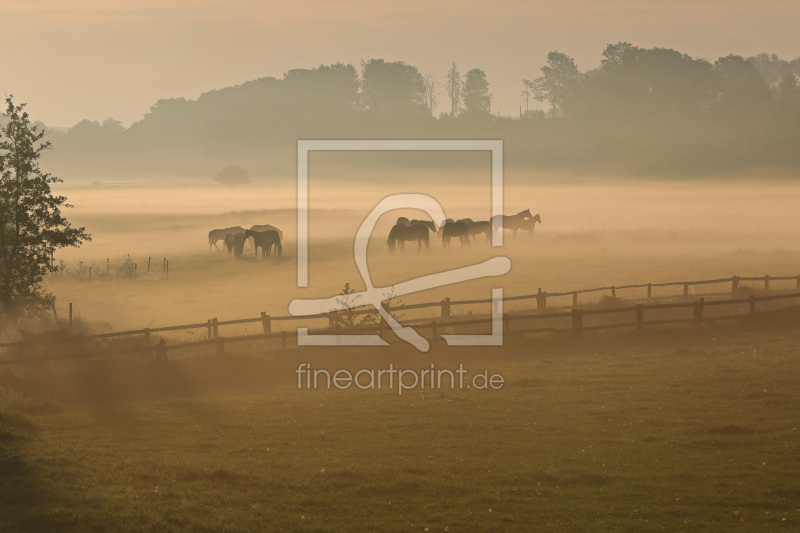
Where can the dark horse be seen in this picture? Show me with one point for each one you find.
(219, 235)
(265, 240)
(402, 233)
(238, 245)
(515, 222)
(455, 229)
(483, 227)
(229, 238)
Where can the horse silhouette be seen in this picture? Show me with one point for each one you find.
(515, 222)
(238, 245)
(530, 223)
(455, 229)
(265, 227)
(229, 238)
(219, 235)
(481, 227)
(265, 240)
(401, 233)
(427, 223)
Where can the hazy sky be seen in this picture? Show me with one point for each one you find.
(74, 59)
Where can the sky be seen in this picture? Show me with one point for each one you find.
(93, 59)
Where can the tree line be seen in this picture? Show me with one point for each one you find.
(639, 100)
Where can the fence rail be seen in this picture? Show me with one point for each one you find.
(446, 319)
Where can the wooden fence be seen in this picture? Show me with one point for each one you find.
(633, 316)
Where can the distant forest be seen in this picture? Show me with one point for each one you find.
(644, 112)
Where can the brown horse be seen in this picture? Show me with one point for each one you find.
(481, 227)
(219, 235)
(265, 240)
(530, 223)
(402, 233)
(514, 222)
(238, 245)
(455, 229)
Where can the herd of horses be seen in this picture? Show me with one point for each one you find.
(268, 238)
(264, 236)
(463, 229)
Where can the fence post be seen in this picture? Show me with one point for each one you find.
(539, 299)
(639, 316)
(164, 266)
(147, 336)
(649, 291)
(686, 289)
(266, 322)
(208, 328)
(735, 284)
(148, 264)
(575, 299)
(797, 282)
(161, 350)
(577, 321)
(70, 315)
(434, 329)
(108, 266)
(544, 300)
(766, 283)
(698, 312)
(55, 313)
(752, 304)
(214, 328)
(445, 307)
(613, 292)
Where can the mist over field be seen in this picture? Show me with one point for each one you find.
(590, 236)
(639, 374)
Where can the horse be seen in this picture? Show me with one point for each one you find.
(530, 223)
(402, 233)
(229, 242)
(265, 227)
(455, 229)
(465, 220)
(404, 221)
(265, 240)
(219, 235)
(238, 245)
(481, 227)
(512, 222)
(427, 223)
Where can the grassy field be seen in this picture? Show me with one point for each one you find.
(684, 428)
(691, 429)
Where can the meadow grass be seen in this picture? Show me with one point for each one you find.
(674, 428)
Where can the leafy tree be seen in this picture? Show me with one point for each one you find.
(788, 91)
(560, 81)
(475, 93)
(644, 86)
(393, 88)
(741, 88)
(31, 223)
(453, 88)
